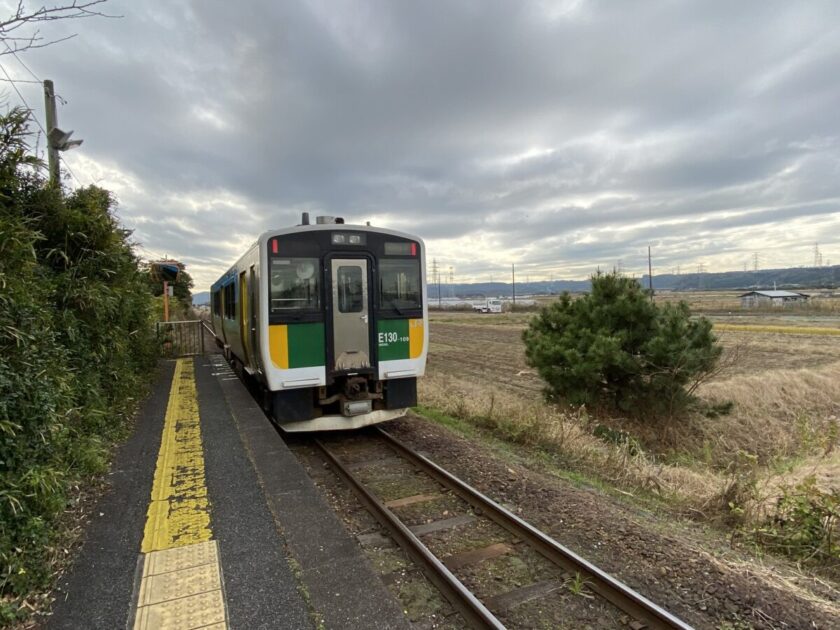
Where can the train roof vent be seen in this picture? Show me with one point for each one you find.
(327, 220)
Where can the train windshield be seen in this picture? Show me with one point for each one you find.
(294, 284)
(399, 285)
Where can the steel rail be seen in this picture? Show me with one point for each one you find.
(461, 598)
(605, 585)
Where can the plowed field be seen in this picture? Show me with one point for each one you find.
(482, 353)
(489, 349)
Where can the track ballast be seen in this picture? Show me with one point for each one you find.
(482, 611)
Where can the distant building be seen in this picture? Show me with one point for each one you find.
(755, 299)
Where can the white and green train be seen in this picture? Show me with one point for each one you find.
(329, 320)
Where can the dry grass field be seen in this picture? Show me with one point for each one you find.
(782, 376)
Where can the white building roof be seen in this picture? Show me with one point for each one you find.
(776, 294)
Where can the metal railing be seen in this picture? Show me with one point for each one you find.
(184, 338)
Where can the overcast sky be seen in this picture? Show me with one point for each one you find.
(559, 136)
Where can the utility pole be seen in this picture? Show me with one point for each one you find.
(650, 275)
(513, 278)
(437, 272)
(57, 140)
(52, 123)
(436, 278)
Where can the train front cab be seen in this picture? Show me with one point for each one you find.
(347, 326)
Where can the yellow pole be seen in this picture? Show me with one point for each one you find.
(165, 301)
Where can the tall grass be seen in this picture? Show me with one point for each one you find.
(568, 437)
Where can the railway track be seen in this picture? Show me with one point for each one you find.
(478, 609)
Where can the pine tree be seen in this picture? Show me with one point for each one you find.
(616, 346)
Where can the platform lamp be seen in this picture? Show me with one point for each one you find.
(166, 271)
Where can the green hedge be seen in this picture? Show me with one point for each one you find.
(76, 345)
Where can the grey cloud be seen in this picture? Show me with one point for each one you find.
(624, 120)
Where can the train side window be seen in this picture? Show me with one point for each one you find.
(230, 301)
(294, 284)
(350, 290)
(399, 284)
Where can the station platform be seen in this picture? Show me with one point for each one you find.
(209, 521)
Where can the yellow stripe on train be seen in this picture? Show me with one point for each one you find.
(415, 338)
(278, 345)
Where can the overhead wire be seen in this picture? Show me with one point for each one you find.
(154, 254)
(23, 100)
(20, 61)
(69, 170)
(21, 81)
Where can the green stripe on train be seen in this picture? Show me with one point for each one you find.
(392, 339)
(306, 345)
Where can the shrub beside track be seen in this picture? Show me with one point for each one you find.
(75, 345)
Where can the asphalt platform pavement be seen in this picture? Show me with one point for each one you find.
(284, 559)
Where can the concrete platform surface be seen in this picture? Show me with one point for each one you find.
(210, 521)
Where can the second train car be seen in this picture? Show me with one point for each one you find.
(330, 320)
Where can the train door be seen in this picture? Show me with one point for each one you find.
(350, 317)
(253, 302)
(244, 319)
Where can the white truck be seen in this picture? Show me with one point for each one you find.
(491, 305)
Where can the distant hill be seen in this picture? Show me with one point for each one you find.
(200, 299)
(790, 278)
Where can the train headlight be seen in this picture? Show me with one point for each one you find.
(342, 238)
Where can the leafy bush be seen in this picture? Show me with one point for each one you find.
(615, 345)
(806, 524)
(75, 344)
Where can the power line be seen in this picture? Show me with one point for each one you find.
(153, 253)
(20, 61)
(20, 81)
(31, 111)
(69, 170)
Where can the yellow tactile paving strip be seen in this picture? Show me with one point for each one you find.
(180, 578)
(179, 512)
